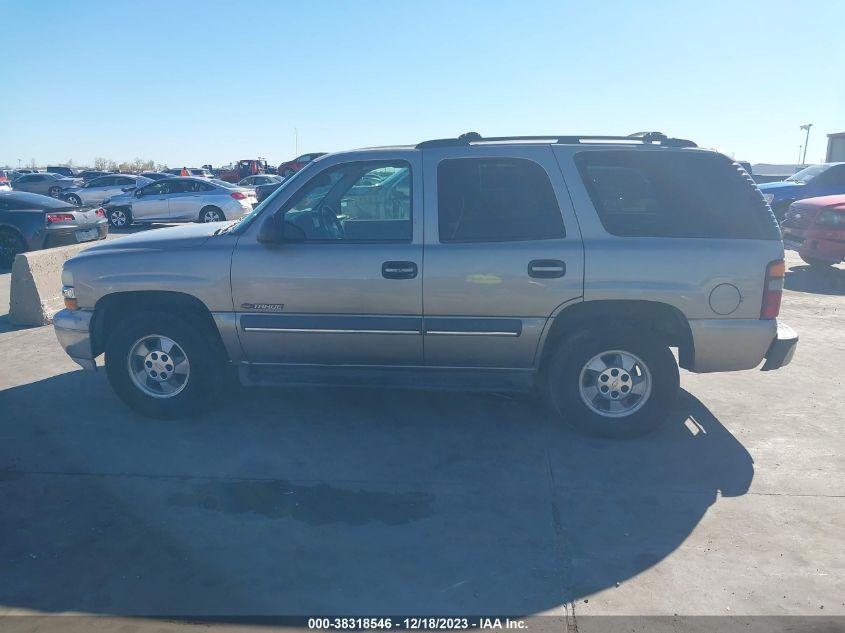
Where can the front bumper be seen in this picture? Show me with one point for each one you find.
(73, 331)
(782, 348)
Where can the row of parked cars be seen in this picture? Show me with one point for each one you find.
(810, 206)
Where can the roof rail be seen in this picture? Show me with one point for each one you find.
(646, 138)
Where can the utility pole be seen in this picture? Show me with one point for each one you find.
(806, 141)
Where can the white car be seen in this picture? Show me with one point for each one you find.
(180, 199)
(99, 189)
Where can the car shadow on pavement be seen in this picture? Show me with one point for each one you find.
(336, 501)
(827, 280)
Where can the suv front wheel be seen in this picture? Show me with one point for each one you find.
(613, 381)
(161, 365)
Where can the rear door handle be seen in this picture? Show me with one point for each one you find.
(546, 268)
(398, 270)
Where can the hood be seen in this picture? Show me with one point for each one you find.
(170, 238)
(823, 201)
(780, 186)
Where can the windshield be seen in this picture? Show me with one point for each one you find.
(806, 175)
(241, 225)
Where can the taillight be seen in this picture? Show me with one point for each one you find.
(53, 218)
(773, 289)
(237, 195)
(101, 212)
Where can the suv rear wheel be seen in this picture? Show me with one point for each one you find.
(613, 381)
(161, 365)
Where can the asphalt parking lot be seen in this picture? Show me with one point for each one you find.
(333, 501)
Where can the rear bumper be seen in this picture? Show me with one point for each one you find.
(737, 344)
(73, 331)
(782, 348)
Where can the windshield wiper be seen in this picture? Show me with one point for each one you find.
(225, 229)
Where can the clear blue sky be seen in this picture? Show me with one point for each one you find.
(192, 82)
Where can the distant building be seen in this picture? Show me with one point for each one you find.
(835, 148)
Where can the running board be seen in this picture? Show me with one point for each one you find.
(426, 378)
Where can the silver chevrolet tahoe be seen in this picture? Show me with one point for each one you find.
(568, 265)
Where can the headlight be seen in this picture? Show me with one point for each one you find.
(768, 197)
(68, 291)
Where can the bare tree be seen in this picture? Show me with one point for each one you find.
(100, 163)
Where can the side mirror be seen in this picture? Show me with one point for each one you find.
(274, 230)
(268, 233)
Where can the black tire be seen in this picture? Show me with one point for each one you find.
(815, 263)
(10, 245)
(206, 364)
(54, 192)
(120, 217)
(209, 211)
(74, 199)
(564, 381)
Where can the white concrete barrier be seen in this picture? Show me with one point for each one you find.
(36, 292)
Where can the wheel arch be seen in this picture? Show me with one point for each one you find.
(660, 319)
(110, 309)
(210, 207)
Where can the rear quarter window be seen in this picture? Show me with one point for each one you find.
(674, 194)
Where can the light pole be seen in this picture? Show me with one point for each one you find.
(19, 163)
(806, 140)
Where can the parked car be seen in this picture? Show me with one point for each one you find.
(156, 175)
(259, 179)
(30, 222)
(818, 180)
(44, 183)
(180, 200)
(292, 166)
(100, 189)
(90, 174)
(244, 168)
(264, 191)
(196, 172)
(69, 172)
(816, 227)
(5, 180)
(543, 265)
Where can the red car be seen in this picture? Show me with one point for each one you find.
(818, 225)
(292, 166)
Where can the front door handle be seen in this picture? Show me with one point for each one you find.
(398, 270)
(546, 268)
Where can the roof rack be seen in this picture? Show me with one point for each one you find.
(646, 138)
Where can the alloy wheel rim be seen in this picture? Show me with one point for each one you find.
(118, 218)
(211, 216)
(158, 366)
(615, 383)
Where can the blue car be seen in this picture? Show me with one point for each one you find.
(825, 179)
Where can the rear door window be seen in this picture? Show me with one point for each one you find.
(496, 200)
(674, 194)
